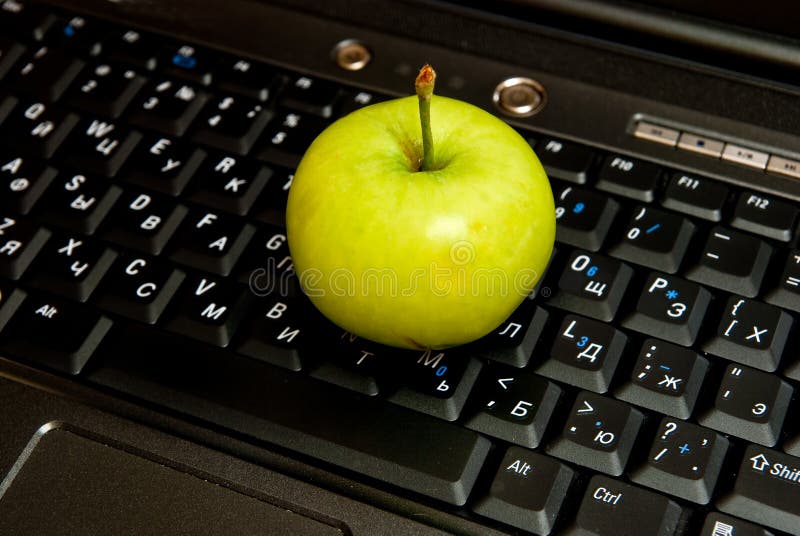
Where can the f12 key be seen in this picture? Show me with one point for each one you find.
(764, 215)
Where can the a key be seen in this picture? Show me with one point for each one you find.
(105, 89)
(266, 266)
(163, 164)
(188, 61)
(54, 333)
(433, 381)
(513, 341)
(10, 299)
(765, 215)
(717, 524)
(37, 129)
(684, 460)
(251, 79)
(655, 239)
(276, 332)
(751, 333)
(46, 73)
(310, 95)
(229, 182)
(592, 284)
(22, 182)
(271, 207)
(77, 34)
(512, 405)
(232, 123)
(599, 433)
(10, 52)
(131, 47)
(749, 404)
(288, 136)
(139, 288)
(354, 363)
(527, 491)
(209, 310)
(565, 160)
(670, 308)
(766, 490)
(99, 147)
(613, 508)
(732, 261)
(584, 354)
(666, 378)
(71, 266)
(357, 99)
(583, 217)
(695, 196)
(786, 291)
(78, 202)
(143, 221)
(168, 106)
(629, 177)
(25, 20)
(20, 242)
(211, 241)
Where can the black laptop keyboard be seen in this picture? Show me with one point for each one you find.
(649, 388)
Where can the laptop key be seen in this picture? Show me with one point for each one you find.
(20, 242)
(695, 196)
(655, 239)
(71, 266)
(629, 177)
(209, 310)
(168, 106)
(592, 285)
(36, 128)
(717, 524)
(77, 34)
(513, 406)
(357, 99)
(513, 341)
(10, 299)
(78, 202)
(565, 160)
(599, 433)
(583, 217)
(732, 261)
(212, 242)
(310, 95)
(751, 333)
(100, 147)
(143, 221)
(666, 378)
(766, 490)
(163, 164)
(749, 404)
(669, 307)
(276, 332)
(130, 47)
(104, 89)
(138, 288)
(266, 266)
(187, 61)
(684, 460)
(46, 73)
(288, 136)
(245, 77)
(10, 52)
(764, 215)
(354, 363)
(229, 182)
(527, 491)
(232, 123)
(785, 291)
(584, 354)
(271, 207)
(612, 508)
(54, 333)
(22, 182)
(24, 20)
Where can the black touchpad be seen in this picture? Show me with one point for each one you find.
(69, 484)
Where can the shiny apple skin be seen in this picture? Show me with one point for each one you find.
(416, 259)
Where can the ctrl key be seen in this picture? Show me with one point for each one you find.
(527, 491)
(611, 508)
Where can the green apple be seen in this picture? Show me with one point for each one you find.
(419, 248)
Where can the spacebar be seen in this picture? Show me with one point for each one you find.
(372, 437)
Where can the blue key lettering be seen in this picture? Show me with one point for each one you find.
(184, 62)
(441, 370)
(591, 271)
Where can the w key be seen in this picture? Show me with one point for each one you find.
(655, 239)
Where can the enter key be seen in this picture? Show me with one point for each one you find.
(767, 490)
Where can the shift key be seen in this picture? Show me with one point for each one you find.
(767, 490)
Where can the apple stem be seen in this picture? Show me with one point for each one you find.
(424, 88)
